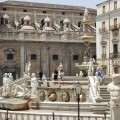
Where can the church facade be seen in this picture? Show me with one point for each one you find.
(44, 34)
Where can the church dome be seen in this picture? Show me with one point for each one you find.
(5, 16)
(66, 20)
(47, 19)
(27, 18)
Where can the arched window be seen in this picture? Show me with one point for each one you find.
(22, 21)
(79, 24)
(33, 57)
(61, 24)
(55, 57)
(42, 24)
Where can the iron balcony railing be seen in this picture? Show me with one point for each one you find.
(114, 27)
(103, 55)
(103, 30)
(115, 55)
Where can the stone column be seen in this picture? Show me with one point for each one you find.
(22, 53)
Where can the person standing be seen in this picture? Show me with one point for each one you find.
(55, 74)
(101, 73)
(40, 74)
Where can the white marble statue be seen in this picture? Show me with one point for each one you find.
(97, 81)
(81, 74)
(6, 87)
(60, 71)
(10, 77)
(86, 14)
(90, 70)
(44, 78)
(27, 68)
(114, 89)
(19, 91)
(34, 85)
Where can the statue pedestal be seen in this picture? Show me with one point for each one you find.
(115, 113)
(99, 108)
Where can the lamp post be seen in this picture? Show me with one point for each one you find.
(78, 89)
(53, 116)
(7, 116)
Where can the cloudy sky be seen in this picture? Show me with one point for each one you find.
(86, 3)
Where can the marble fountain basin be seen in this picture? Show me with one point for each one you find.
(13, 104)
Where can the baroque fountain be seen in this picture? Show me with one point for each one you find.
(88, 64)
(30, 93)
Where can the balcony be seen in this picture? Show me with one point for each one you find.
(115, 55)
(103, 30)
(114, 27)
(103, 56)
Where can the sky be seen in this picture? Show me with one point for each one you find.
(85, 3)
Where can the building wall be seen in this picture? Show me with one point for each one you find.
(108, 37)
(44, 44)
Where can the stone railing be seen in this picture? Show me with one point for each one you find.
(92, 89)
(45, 115)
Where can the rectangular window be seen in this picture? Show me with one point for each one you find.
(55, 57)
(115, 23)
(115, 5)
(44, 11)
(103, 9)
(81, 14)
(103, 26)
(10, 57)
(24, 10)
(75, 57)
(63, 13)
(33, 57)
(4, 9)
(115, 50)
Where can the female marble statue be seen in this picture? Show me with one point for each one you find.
(60, 69)
(27, 68)
(97, 82)
(6, 88)
(34, 85)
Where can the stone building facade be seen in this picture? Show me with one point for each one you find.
(44, 34)
(108, 35)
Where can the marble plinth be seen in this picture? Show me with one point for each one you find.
(99, 108)
(13, 104)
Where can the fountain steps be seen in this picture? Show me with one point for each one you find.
(104, 94)
(64, 106)
(75, 78)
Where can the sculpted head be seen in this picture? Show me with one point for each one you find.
(33, 75)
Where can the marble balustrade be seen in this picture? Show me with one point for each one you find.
(22, 115)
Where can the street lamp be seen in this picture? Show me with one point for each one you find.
(53, 116)
(7, 116)
(78, 90)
